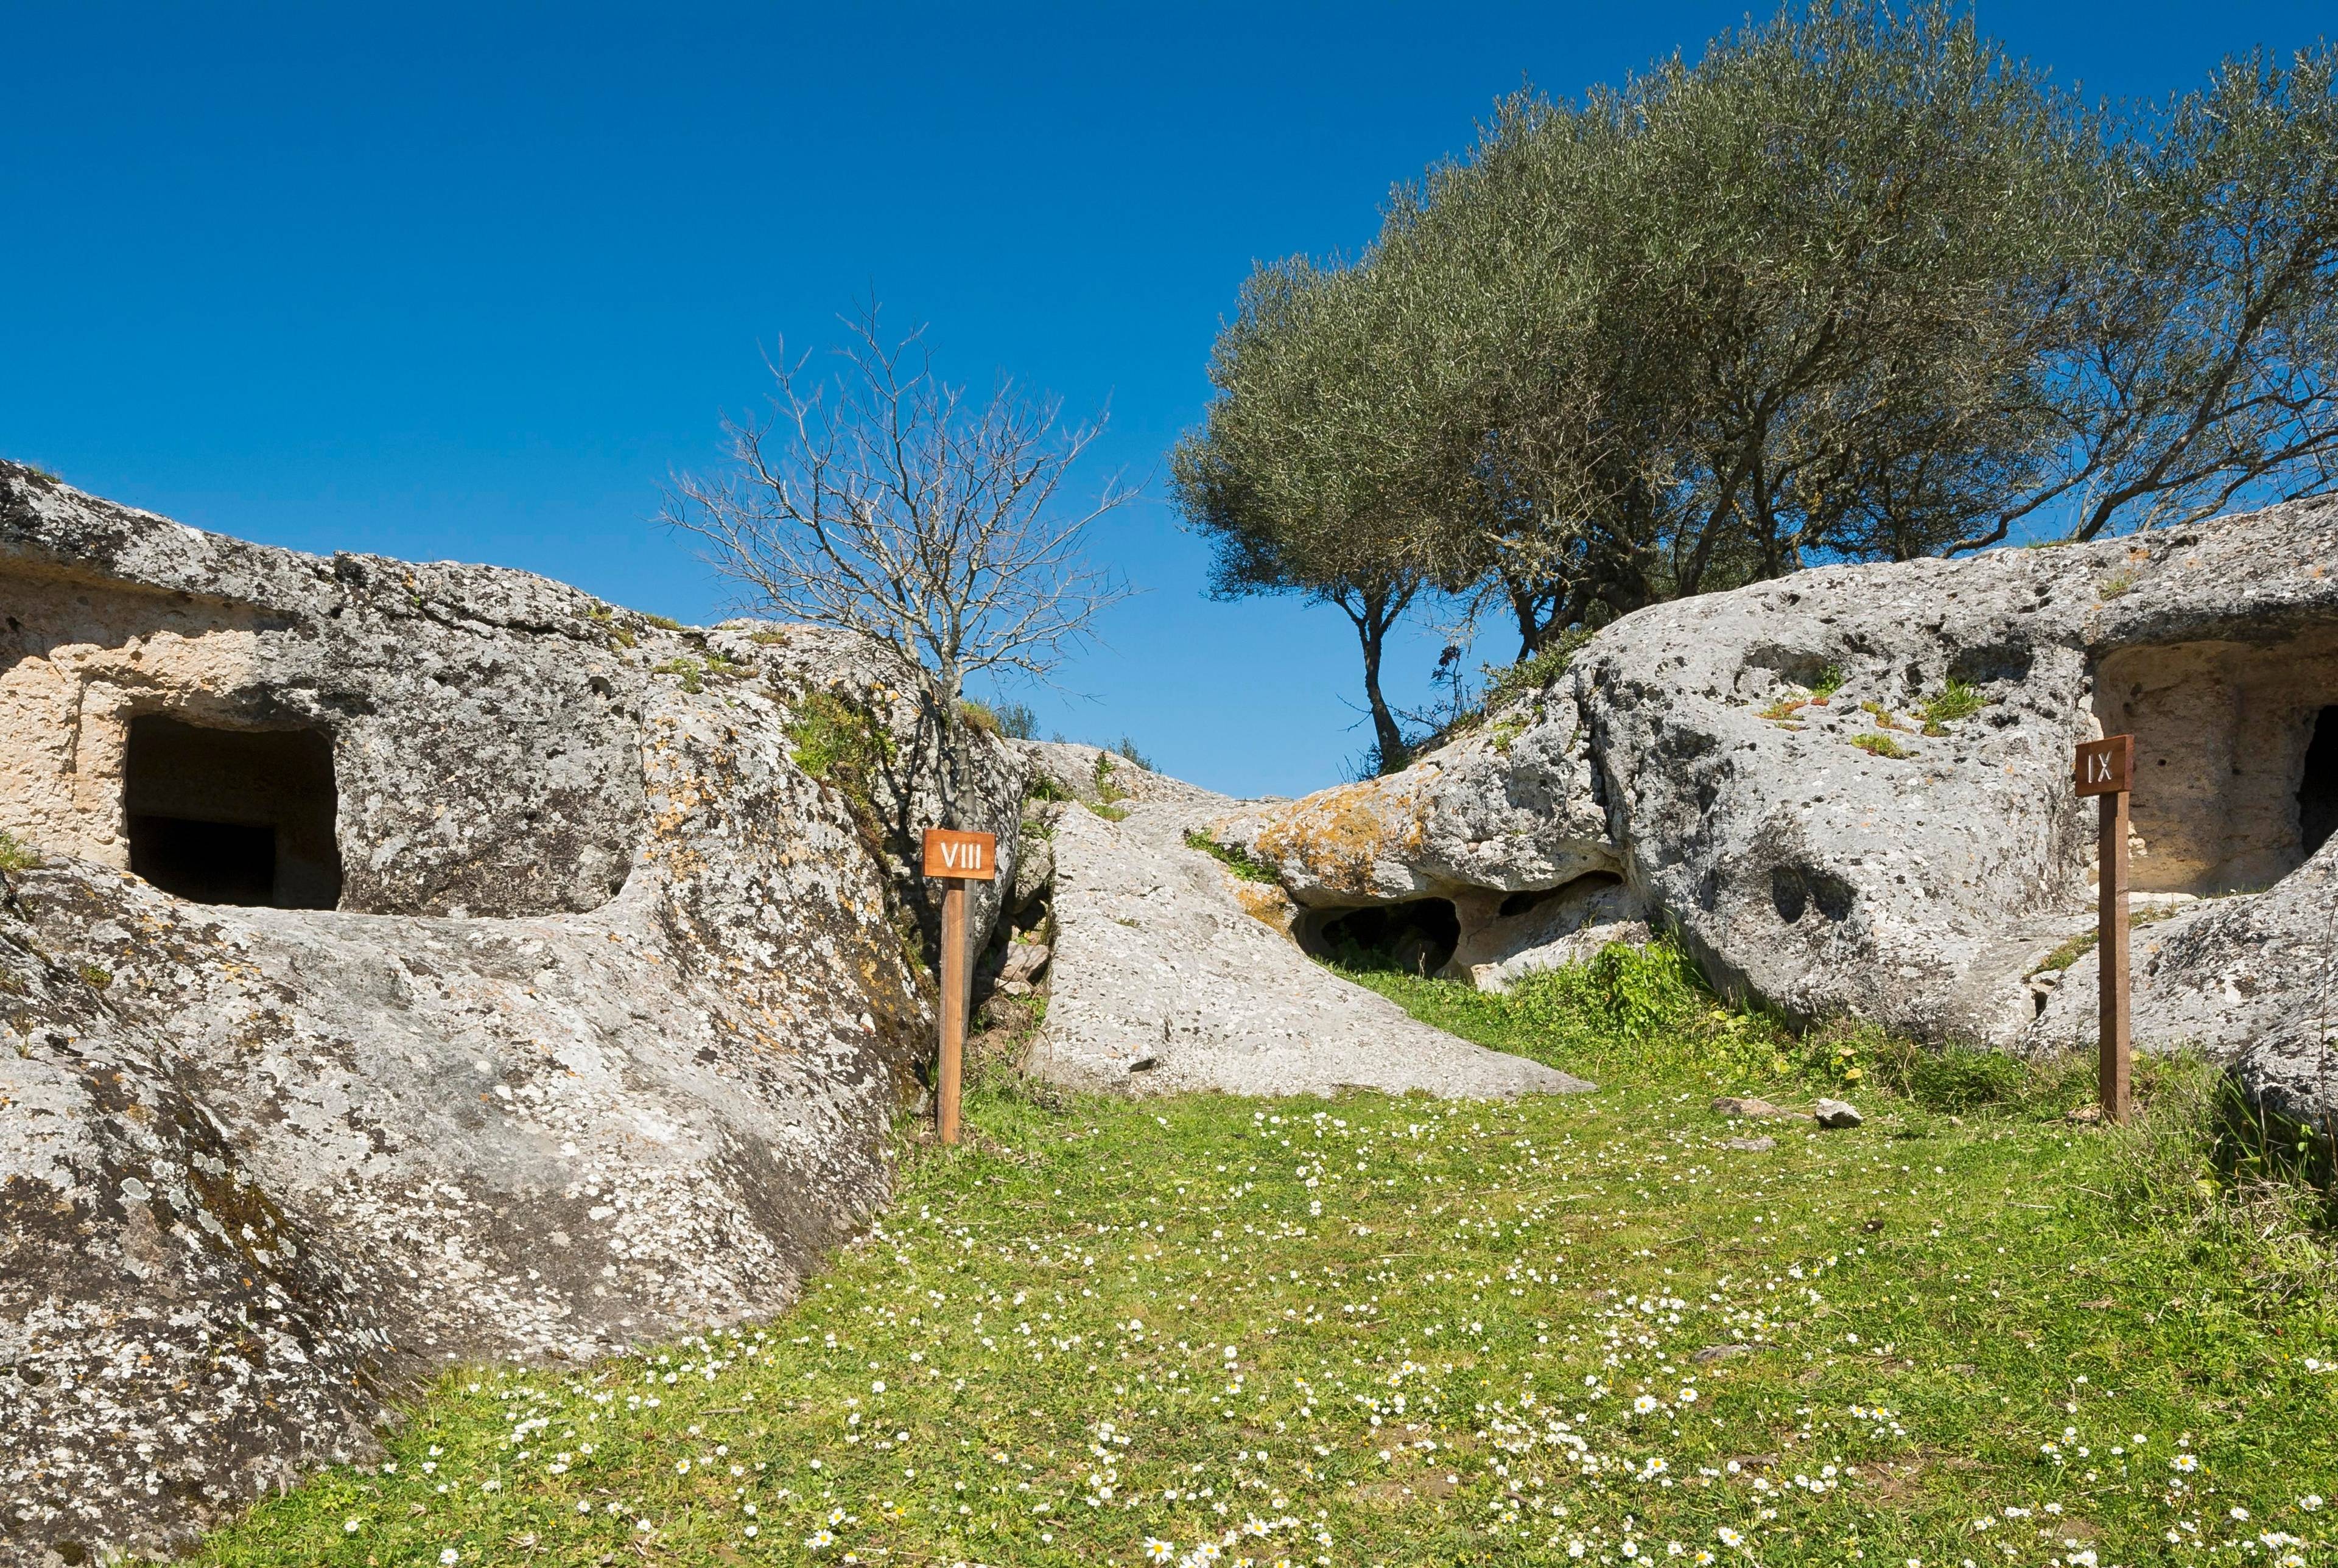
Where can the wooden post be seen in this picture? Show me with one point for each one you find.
(955, 859)
(954, 996)
(2105, 769)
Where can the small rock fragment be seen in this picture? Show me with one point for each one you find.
(1836, 1114)
(1720, 1352)
(1732, 1105)
(1751, 1145)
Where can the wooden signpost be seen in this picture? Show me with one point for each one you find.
(2106, 768)
(955, 859)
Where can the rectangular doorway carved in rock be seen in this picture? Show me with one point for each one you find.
(2317, 788)
(232, 816)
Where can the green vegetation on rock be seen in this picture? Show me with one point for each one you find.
(1233, 858)
(16, 855)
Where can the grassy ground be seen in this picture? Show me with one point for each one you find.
(1379, 1330)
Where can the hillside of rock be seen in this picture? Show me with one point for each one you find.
(407, 963)
(1166, 979)
(1848, 791)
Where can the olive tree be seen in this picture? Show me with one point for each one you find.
(1303, 482)
(1852, 285)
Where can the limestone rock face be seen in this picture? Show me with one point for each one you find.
(2251, 980)
(1098, 777)
(1515, 806)
(1761, 770)
(605, 993)
(1163, 981)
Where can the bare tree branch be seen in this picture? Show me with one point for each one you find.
(888, 503)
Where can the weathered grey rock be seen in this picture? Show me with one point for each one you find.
(1741, 1105)
(2248, 980)
(1685, 747)
(1098, 777)
(1163, 981)
(601, 1043)
(1513, 807)
(1025, 961)
(1035, 867)
(1761, 1145)
(1835, 1113)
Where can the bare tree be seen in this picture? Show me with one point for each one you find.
(889, 503)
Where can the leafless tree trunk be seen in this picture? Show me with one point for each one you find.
(888, 503)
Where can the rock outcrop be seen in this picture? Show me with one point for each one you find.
(1163, 980)
(2251, 980)
(546, 979)
(1848, 791)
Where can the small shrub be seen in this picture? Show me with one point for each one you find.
(837, 744)
(664, 622)
(978, 715)
(1232, 856)
(1044, 788)
(1828, 682)
(767, 639)
(1107, 810)
(1875, 743)
(1503, 686)
(1635, 993)
(16, 855)
(95, 978)
(1126, 748)
(1534, 672)
(1017, 722)
(1108, 789)
(2120, 582)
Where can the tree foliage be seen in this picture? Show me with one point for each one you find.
(1851, 285)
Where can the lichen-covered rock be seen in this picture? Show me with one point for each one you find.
(601, 1041)
(1163, 981)
(1513, 807)
(1849, 789)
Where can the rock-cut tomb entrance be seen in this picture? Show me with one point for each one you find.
(232, 816)
(2237, 757)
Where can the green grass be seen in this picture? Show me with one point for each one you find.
(1382, 1330)
(16, 855)
(1233, 858)
(1951, 702)
(1876, 744)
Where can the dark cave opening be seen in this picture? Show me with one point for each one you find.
(232, 816)
(1416, 938)
(2317, 790)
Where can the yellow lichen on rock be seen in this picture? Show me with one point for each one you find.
(1341, 833)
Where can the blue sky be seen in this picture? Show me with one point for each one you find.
(468, 282)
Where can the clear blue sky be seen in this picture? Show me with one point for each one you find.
(467, 281)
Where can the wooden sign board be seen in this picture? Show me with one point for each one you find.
(974, 856)
(2106, 767)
